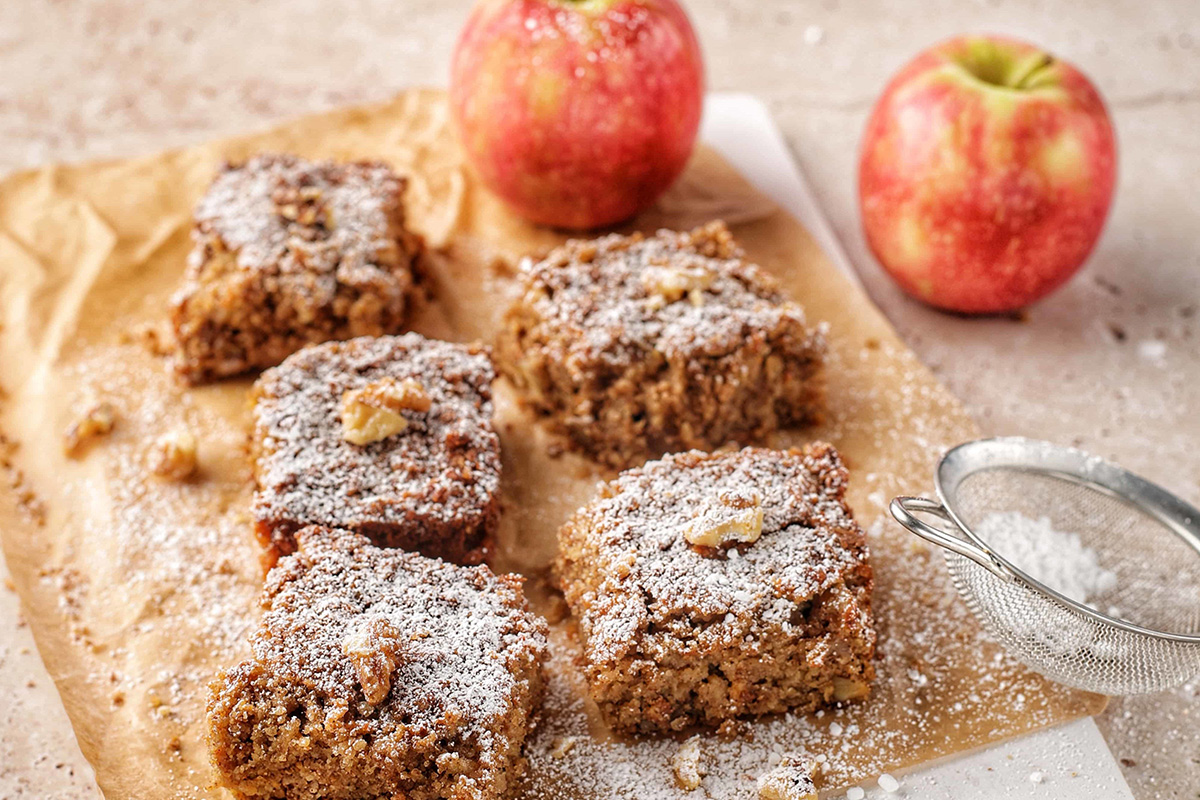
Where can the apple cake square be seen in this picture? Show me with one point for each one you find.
(630, 346)
(711, 586)
(387, 436)
(288, 252)
(379, 674)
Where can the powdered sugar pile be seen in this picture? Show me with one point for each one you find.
(1059, 559)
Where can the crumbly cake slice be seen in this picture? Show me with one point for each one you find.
(680, 627)
(379, 674)
(637, 345)
(288, 252)
(433, 486)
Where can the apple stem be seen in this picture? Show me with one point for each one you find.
(1027, 75)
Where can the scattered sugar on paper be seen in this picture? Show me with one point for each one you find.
(1152, 349)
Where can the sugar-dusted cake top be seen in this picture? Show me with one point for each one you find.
(444, 463)
(689, 293)
(784, 537)
(429, 646)
(283, 213)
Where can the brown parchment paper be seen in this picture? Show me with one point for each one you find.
(138, 591)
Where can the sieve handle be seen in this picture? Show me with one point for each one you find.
(902, 509)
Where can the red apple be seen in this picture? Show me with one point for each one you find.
(578, 113)
(986, 173)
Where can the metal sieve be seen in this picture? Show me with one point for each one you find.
(1144, 634)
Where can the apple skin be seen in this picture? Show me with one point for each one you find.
(986, 173)
(578, 113)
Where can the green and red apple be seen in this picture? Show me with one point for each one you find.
(578, 113)
(986, 173)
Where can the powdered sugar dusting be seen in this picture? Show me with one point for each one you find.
(443, 467)
(356, 201)
(808, 544)
(606, 304)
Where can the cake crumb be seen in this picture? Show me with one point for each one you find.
(173, 456)
(563, 745)
(792, 779)
(95, 422)
(855, 793)
(686, 765)
(888, 783)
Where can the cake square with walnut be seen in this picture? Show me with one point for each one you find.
(637, 345)
(387, 436)
(379, 674)
(710, 586)
(288, 252)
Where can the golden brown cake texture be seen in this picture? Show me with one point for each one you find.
(379, 674)
(676, 633)
(431, 487)
(288, 252)
(633, 346)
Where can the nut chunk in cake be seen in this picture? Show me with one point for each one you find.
(379, 674)
(709, 586)
(288, 252)
(632, 345)
(391, 437)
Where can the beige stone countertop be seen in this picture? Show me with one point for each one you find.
(1110, 363)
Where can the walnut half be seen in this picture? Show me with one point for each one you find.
(734, 516)
(374, 650)
(372, 413)
(668, 284)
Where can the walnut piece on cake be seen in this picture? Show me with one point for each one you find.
(674, 637)
(288, 252)
(631, 346)
(430, 484)
(379, 674)
(375, 411)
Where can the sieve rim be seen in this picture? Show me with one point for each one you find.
(1172, 511)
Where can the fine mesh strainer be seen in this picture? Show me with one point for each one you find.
(1141, 636)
